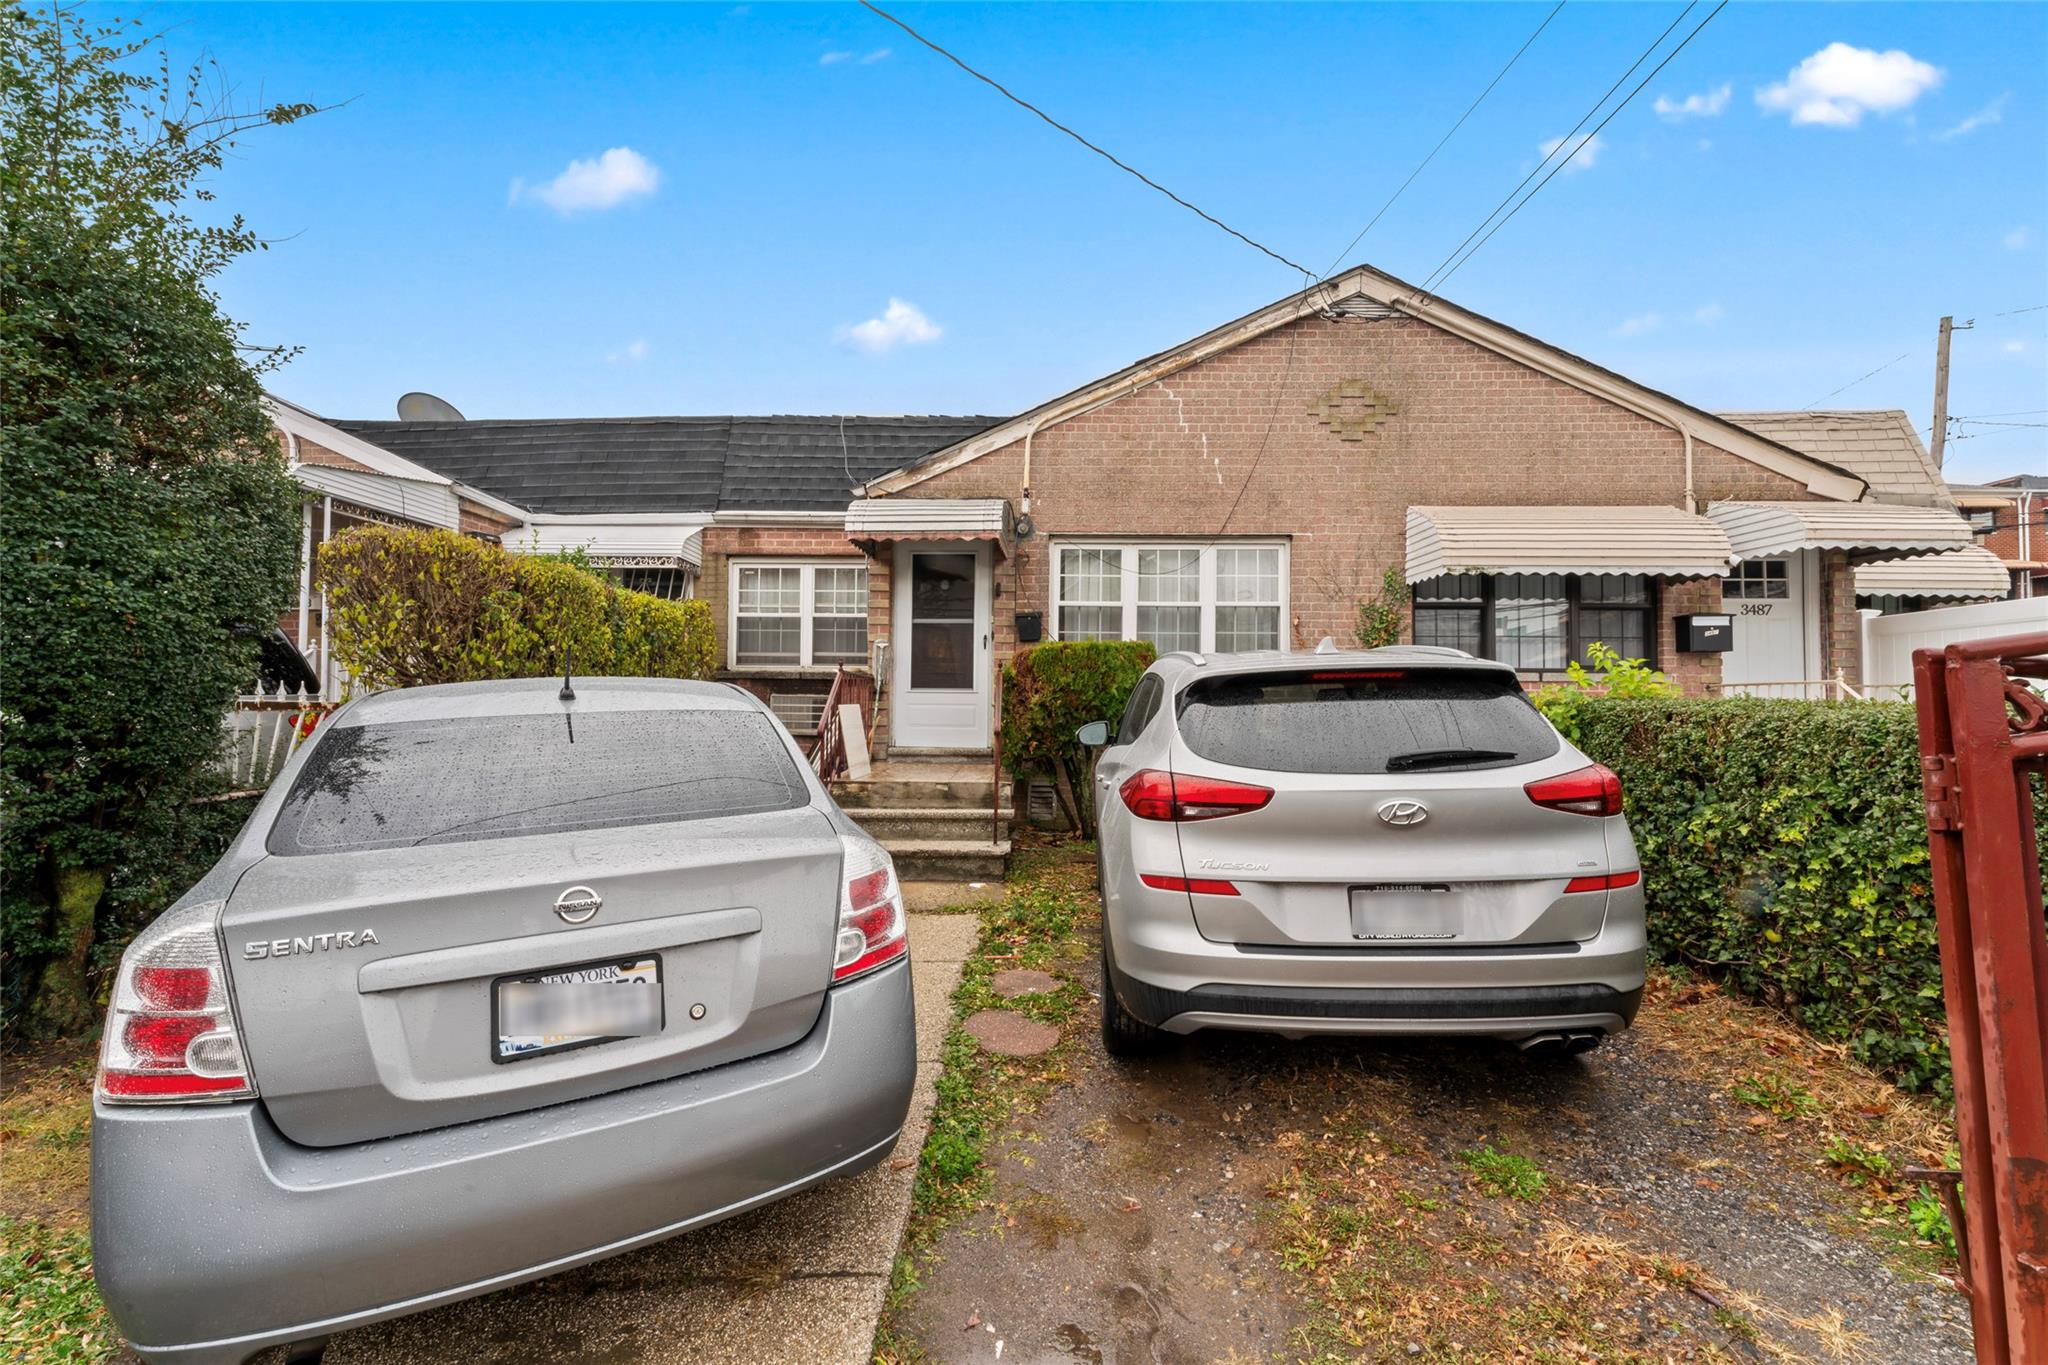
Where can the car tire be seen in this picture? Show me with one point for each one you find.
(1122, 1034)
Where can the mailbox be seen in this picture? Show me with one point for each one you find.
(1030, 627)
(1699, 634)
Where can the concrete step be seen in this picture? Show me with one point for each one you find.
(958, 860)
(931, 822)
(895, 792)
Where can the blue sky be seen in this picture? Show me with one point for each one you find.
(543, 210)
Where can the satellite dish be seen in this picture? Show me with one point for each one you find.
(424, 407)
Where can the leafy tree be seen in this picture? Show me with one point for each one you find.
(145, 508)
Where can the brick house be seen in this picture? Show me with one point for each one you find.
(2009, 517)
(1246, 489)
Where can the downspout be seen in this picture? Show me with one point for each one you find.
(1691, 502)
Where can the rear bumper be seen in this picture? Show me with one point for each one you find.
(1172, 978)
(215, 1237)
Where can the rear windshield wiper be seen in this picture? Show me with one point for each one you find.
(1444, 758)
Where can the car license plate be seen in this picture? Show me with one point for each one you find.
(1403, 912)
(598, 1002)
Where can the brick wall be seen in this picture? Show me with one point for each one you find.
(723, 544)
(1841, 630)
(1468, 427)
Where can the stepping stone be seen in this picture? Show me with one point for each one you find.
(1019, 981)
(1010, 1034)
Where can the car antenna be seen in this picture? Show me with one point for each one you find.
(568, 692)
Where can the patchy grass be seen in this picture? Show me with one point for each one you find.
(49, 1309)
(1847, 1119)
(46, 1135)
(979, 1095)
(1504, 1174)
(1397, 1262)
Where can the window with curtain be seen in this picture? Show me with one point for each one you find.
(793, 615)
(1537, 623)
(1206, 598)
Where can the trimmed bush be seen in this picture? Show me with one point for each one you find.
(1784, 847)
(1052, 690)
(410, 608)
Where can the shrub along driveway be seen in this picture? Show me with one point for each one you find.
(1712, 1186)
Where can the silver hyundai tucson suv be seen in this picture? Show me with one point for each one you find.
(1383, 841)
(495, 981)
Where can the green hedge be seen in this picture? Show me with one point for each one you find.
(1052, 690)
(1784, 846)
(409, 608)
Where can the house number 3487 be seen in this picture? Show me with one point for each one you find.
(1757, 608)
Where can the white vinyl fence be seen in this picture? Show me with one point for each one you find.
(262, 731)
(1889, 641)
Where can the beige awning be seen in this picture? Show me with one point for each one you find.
(1758, 530)
(1663, 541)
(1971, 574)
(874, 520)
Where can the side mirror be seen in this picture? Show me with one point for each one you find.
(1094, 734)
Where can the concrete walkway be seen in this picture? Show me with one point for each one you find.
(802, 1280)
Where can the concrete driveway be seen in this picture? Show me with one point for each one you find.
(802, 1280)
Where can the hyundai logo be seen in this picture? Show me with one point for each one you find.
(578, 904)
(1404, 813)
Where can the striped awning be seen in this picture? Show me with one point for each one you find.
(1971, 574)
(1663, 541)
(873, 520)
(1758, 530)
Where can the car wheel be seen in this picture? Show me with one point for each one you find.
(1123, 1035)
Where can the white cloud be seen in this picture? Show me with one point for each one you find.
(632, 353)
(1991, 113)
(2019, 239)
(901, 324)
(2015, 348)
(834, 58)
(1839, 84)
(602, 182)
(880, 54)
(1707, 314)
(1583, 154)
(1707, 104)
(1639, 324)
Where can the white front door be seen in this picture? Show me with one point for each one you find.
(1774, 652)
(940, 678)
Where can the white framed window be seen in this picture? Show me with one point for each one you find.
(1219, 599)
(798, 613)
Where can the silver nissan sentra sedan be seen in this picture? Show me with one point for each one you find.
(1381, 841)
(497, 980)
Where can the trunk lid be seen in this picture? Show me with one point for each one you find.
(1449, 854)
(415, 867)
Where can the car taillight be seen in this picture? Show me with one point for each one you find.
(873, 925)
(170, 1031)
(1154, 795)
(1201, 886)
(1585, 791)
(1612, 881)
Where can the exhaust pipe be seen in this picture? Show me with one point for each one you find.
(1569, 1043)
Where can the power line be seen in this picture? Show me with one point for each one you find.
(1574, 149)
(1420, 167)
(1854, 382)
(1563, 143)
(1123, 166)
(2015, 312)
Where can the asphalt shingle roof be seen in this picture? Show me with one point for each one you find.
(594, 466)
(1880, 447)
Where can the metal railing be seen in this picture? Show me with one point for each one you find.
(828, 744)
(1836, 688)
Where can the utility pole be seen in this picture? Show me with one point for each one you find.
(1948, 325)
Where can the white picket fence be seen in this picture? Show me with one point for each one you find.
(1889, 641)
(261, 732)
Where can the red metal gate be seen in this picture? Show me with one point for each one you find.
(1983, 732)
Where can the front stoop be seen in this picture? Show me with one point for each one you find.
(939, 818)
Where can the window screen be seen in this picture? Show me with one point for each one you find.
(1360, 720)
(451, 781)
